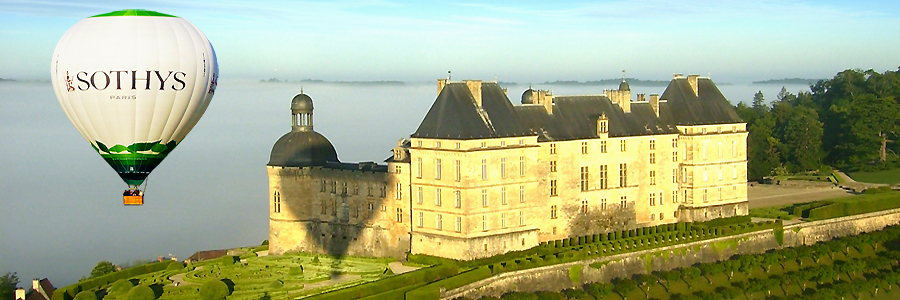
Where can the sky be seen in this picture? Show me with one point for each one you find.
(515, 41)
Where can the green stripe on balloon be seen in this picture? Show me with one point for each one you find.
(134, 12)
(134, 167)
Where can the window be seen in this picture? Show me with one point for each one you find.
(584, 206)
(503, 167)
(419, 167)
(652, 217)
(553, 187)
(419, 144)
(684, 198)
(458, 202)
(703, 130)
(602, 146)
(276, 202)
(603, 177)
(554, 230)
(704, 175)
(458, 224)
(343, 188)
(324, 208)
(502, 143)
(503, 220)
(356, 188)
(674, 156)
(604, 126)
(437, 169)
(660, 216)
(553, 212)
(521, 218)
(503, 195)
(552, 166)
(484, 174)
(522, 193)
(585, 178)
(674, 143)
(368, 187)
(457, 170)
(483, 144)
(623, 175)
(521, 166)
(440, 222)
(652, 199)
(720, 173)
(323, 186)
(652, 177)
(622, 145)
(420, 196)
(383, 207)
(720, 193)
(703, 151)
(484, 225)
(484, 198)
(437, 197)
(734, 172)
(457, 145)
(652, 144)
(333, 187)
(521, 142)
(704, 196)
(399, 193)
(421, 218)
(652, 158)
(733, 148)
(584, 148)
(552, 148)
(623, 202)
(399, 215)
(674, 196)
(603, 204)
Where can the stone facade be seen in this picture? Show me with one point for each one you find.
(483, 177)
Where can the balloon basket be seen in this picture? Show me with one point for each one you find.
(133, 200)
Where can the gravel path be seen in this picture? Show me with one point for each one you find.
(399, 268)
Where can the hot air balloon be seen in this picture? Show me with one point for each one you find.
(134, 83)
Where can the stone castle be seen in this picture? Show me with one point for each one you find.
(481, 176)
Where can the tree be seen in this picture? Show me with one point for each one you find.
(762, 148)
(669, 277)
(9, 282)
(599, 290)
(873, 121)
(647, 281)
(803, 140)
(624, 286)
(102, 268)
(732, 265)
(711, 269)
(690, 273)
(759, 104)
(769, 260)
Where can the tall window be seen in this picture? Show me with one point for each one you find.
(674, 156)
(553, 187)
(703, 151)
(399, 215)
(420, 195)
(720, 173)
(674, 143)
(552, 166)
(733, 148)
(276, 202)
(399, 194)
(584, 147)
(421, 218)
(457, 170)
(603, 204)
(437, 197)
(521, 166)
(458, 145)
(622, 145)
(437, 169)
(652, 158)
(604, 181)
(503, 195)
(584, 206)
(458, 224)
(674, 196)
(324, 208)
(521, 218)
(553, 211)
(652, 199)
(602, 146)
(623, 202)
(522, 193)
(623, 175)
(585, 178)
(652, 144)
(458, 199)
(323, 186)
(397, 169)
(484, 197)
(552, 148)
(652, 177)
(720, 193)
(704, 175)
(440, 222)
(484, 174)
(484, 223)
(418, 167)
(503, 167)
(734, 172)
(502, 143)
(503, 220)
(343, 188)
(704, 196)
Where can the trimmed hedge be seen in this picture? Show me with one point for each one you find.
(69, 292)
(433, 290)
(878, 202)
(141, 292)
(424, 275)
(86, 295)
(214, 290)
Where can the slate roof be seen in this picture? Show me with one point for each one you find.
(302, 149)
(46, 286)
(207, 254)
(454, 114)
(706, 107)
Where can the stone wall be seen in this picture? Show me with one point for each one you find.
(556, 277)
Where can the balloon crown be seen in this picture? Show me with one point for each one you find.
(134, 12)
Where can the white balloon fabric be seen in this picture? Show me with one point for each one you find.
(134, 83)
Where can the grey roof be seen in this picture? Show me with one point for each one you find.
(624, 86)
(302, 149)
(527, 95)
(301, 102)
(708, 106)
(454, 115)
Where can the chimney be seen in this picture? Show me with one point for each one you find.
(36, 284)
(692, 79)
(677, 76)
(20, 294)
(475, 88)
(441, 84)
(654, 103)
(545, 98)
(641, 97)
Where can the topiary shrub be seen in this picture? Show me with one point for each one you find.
(296, 271)
(174, 266)
(141, 292)
(121, 286)
(86, 295)
(213, 290)
(277, 284)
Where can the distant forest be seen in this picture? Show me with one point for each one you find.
(788, 81)
(631, 81)
(851, 122)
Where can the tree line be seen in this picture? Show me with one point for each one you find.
(850, 122)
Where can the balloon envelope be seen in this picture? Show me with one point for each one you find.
(134, 83)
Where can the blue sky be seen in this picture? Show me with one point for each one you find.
(522, 41)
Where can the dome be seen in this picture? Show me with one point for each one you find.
(624, 86)
(527, 96)
(301, 102)
(302, 149)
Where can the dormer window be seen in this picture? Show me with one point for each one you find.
(602, 125)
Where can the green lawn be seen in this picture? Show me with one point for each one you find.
(886, 176)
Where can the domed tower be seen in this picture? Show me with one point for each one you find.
(528, 96)
(302, 147)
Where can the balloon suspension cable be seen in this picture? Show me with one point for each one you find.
(146, 183)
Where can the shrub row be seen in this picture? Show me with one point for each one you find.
(69, 292)
(875, 203)
(424, 275)
(433, 290)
